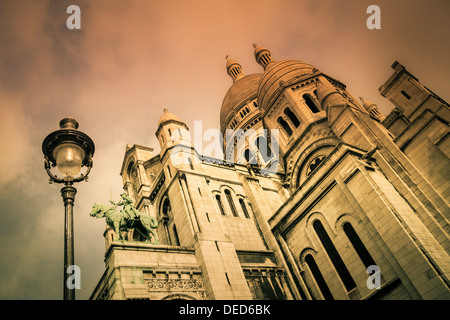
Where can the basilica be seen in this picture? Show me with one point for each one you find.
(342, 203)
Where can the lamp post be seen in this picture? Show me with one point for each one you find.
(68, 149)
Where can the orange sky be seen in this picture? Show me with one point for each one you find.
(130, 60)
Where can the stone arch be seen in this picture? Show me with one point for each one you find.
(318, 216)
(343, 218)
(226, 186)
(297, 174)
(164, 208)
(132, 176)
(178, 296)
(303, 254)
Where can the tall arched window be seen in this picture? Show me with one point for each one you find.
(231, 202)
(292, 117)
(244, 208)
(361, 250)
(335, 258)
(175, 233)
(285, 126)
(219, 204)
(318, 277)
(247, 154)
(263, 147)
(310, 103)
(165, 209)
(165, 217)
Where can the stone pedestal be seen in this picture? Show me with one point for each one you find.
(146, 271)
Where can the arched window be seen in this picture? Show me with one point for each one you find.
(219, 203)
(318, 277)
(285, 126)
(231, 202)
(244, 208)
(165, 218)
(361, 250)
(314, 164)
(292, 117)
(133, 178)
(334, 256)
(310, 103)
(175, 233)
(247, 155)
(166, 209)
(263, 147)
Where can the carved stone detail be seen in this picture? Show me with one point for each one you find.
(175, 284)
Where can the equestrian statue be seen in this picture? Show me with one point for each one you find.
(127, 218)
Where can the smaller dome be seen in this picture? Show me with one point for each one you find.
(366, 103)
(234, 69)
(167, 116)
(328, 95)
(262, 56)
(230, 62)
(259, 49)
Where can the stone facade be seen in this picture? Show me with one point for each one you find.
(352, 188)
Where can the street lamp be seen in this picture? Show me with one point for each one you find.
(68, 150)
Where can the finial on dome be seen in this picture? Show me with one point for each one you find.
(165, 110)
(366, 103)
(372, 108)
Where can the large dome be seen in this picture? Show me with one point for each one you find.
(239, 93)
(277, 73)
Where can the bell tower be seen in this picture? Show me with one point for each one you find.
(171, 131)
